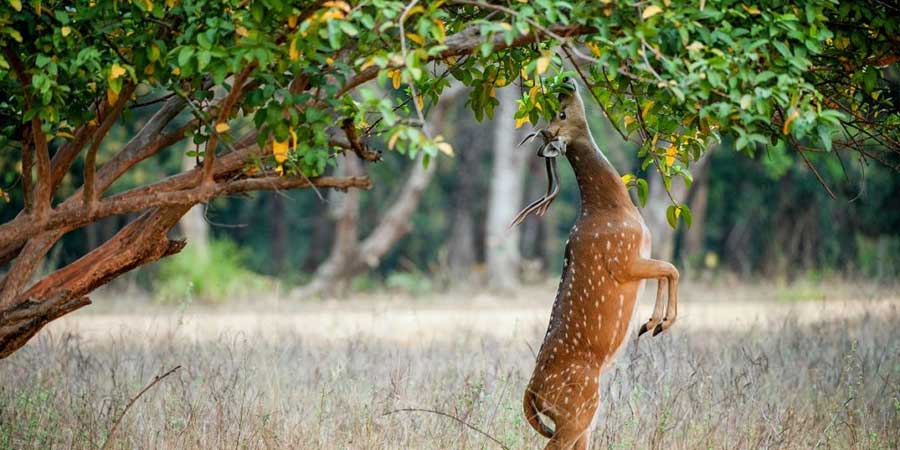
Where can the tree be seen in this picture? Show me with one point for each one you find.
(803, 78)
(507, 179)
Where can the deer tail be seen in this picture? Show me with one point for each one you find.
(533, 417)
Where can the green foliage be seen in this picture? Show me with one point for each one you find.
(678, 76)
(214, 276)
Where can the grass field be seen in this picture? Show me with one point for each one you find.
(746, 367)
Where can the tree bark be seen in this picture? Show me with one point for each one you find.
(505, 197)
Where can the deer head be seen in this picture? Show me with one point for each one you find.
(568, 124)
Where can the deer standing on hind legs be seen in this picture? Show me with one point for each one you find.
(607, 259)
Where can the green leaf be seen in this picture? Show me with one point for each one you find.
(686, 215)
(671, 217)
(642, 190)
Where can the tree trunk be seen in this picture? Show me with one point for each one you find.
(350, 257)
(464, 200)
(279, 232)
(193, 225)
(505, 197)
(698, 199)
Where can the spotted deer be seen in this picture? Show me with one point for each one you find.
(607, 260)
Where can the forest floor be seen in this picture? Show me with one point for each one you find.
(747, 366)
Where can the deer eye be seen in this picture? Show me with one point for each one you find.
(562, 115)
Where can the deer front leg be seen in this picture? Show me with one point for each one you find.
(658, 308)
(642, 269)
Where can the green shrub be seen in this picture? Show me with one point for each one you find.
(414, 283)
(214, 276)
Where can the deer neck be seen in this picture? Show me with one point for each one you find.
(599, 183)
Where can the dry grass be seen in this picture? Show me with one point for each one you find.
(746, 373)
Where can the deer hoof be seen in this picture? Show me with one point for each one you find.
(659, 329)
(644, 328)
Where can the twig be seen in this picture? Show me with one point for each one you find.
(451, 416)
(115, 426)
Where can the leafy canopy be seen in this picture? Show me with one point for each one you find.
(790, 77)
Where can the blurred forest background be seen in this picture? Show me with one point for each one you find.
(445, 225)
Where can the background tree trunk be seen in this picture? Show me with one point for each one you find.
(350, 257)
(465, 201)
(193, 225)
(698, 199)
(505, 197)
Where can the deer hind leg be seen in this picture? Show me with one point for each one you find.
(574, 405)
(658, 308)
(651, 268)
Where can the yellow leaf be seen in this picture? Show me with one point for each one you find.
(16, 4)
(149, 69)
(148, 5)
(293, 51)
(116, 71)
(111, 96)
(65, 31)
(595, 49)
(393, 140)
(176, 71)
(280, 150)
(292, 21)
(522, 121)
(500, 82)
(222, 127)
(670, 155)
(650, 11)
(442, 30)
(493, 92)
(338, 4)
(241, 31)
(524, 74)
(171, 3)
(506, 26)
(627, 178)
(532, 94)
(329, 60)
(443, 146)
(395, 77)
(415, 38)
(543, 63)
(628, 120)
(695, 46)
(64, 134)
(647, 108)
(414, 10)
(369, 63)
(752, 10)
(293, 138)
(786, 129)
